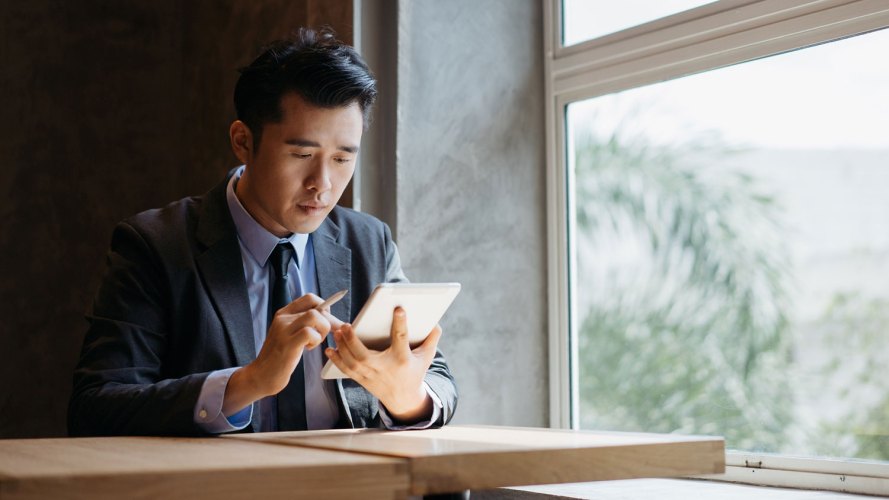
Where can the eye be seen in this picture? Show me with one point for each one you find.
(301, 156)
(342, 160)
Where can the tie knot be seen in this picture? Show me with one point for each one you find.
(280, 258)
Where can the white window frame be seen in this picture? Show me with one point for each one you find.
(704, 38)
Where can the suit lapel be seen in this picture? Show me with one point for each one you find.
(333, 266)
(222, 271)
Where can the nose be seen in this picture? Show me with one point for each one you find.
(318, 179)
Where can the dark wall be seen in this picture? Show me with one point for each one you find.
(108, 108)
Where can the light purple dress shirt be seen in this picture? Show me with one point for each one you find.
(322, 410)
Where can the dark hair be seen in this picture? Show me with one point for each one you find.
(321, 69)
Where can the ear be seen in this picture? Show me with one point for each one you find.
(242, 140)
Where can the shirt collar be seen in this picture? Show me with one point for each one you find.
(258, 240)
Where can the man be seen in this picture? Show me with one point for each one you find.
(193, 330)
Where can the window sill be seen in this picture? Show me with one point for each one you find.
(659, 489)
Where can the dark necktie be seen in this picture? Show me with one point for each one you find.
(292, 400)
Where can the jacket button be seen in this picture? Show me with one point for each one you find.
(203, 414)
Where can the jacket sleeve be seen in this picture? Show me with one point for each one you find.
(438, 377)
(118, 386)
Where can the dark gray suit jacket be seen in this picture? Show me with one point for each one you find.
(173, 307)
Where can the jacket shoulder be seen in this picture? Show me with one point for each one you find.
(160, 221)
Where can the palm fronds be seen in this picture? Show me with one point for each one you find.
(685, 332)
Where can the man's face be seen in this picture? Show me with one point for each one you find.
(301, 167)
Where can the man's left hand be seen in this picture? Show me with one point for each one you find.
(394, 376)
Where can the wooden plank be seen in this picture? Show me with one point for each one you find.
(150, 467)
(474, 457)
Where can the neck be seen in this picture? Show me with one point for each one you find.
(245, 196)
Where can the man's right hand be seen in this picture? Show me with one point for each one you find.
(295, 327)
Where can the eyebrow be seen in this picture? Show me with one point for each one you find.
(312, 144)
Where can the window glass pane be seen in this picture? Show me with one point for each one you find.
(732, 250)
(587, 19)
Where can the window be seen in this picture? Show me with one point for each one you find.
(719, 232)
(585, 19)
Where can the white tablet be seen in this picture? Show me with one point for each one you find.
(424, 304)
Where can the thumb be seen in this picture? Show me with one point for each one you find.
(426, 350)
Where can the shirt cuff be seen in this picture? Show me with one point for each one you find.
(425, 424)
(208, 410)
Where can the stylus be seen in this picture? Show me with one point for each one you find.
(333, 299)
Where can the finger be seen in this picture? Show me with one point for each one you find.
(308, 338)
(343, 360)
(398, 332)
(356, 371)
(293, 323)
(427, 349)
(335, 323)
(303, 340)
(302, 304)
(347, 339)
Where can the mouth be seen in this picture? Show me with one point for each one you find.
(312, 209)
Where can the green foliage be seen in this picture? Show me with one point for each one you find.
(854, 328)
(689, 337)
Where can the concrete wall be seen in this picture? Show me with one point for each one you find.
(471, 193)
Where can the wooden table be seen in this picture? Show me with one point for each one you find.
(212, 468)
(458, 458)
(342, 463)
